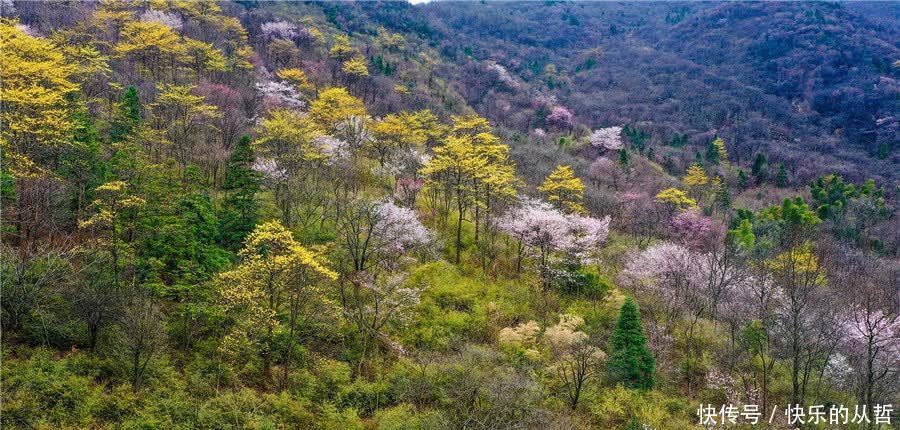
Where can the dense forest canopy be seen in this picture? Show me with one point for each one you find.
(491, 215)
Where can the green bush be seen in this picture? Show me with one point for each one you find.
(405, 417)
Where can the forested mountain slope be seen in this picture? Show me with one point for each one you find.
(496, 215)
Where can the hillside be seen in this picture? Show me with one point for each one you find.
(493, 215)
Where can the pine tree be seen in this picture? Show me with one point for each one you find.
(743, 181)
(651, 154)
(723, 196)
(630, 362)
(624, 159)
(781, 179)
(759, 168)
(712, 153)
(128, 116)
(240, 210)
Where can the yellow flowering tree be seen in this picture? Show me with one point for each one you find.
(676, 198)
(277, 284)
(564, 190)
(695, 176)
(333, 106)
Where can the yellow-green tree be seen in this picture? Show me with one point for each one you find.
(285, 137)
(183, 116)
(333, 106)
(800, 275)
(564, 190)
(471, 169)
(676, 198)
(276, 276)
(298, 79)
(695, 176)
(36, 81)
(355, 67)
(394, 132)
(156, 48)
(341, 49)
(35, 115)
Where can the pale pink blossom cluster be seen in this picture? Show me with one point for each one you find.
(538, 225)
(280, 94)
(269, 169)
(168, 19)
(560, 117)
(609, 138)
(279, 30)
(694, 230)
(661, 264)
(399, 228)
(334, 149)
(883, 330)
(503, 75)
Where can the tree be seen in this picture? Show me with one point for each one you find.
(128, 116)
(544, 230)
(800, 274)
(240, 209)
(156, 47)
(285, 144)
(624, 160)
(183, 116)
(676, 198)
(743, 181)
(275, 273)
(695, 176)
(36, 117)
(758, 170)
(395, 132)
(333, 106)
(141, 338)
(630, 362)
(781, 178)
(577, 360)
(564, 190)
(608, 139)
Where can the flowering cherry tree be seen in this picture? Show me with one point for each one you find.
(544, 230)
(279, 30)
(168, 19)
(609, 138)
(695, 231)
(560, 117)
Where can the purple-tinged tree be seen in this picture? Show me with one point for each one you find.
(560, 117)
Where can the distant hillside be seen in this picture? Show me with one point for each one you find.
(812, 85)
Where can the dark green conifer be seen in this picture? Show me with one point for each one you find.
(630, 362)
(240, 209)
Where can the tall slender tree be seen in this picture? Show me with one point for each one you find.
(631, 362)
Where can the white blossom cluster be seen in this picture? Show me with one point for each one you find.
(609, 138)
(168, 19)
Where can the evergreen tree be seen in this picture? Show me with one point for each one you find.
(623, 159)
(759, 168)
(634, 424)
(651, 154)
(883, 151)
(128, 116)
(781, 179)
(723, 195)
(743, 181)
(631, 362)
(712, 153)
(240, 210)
